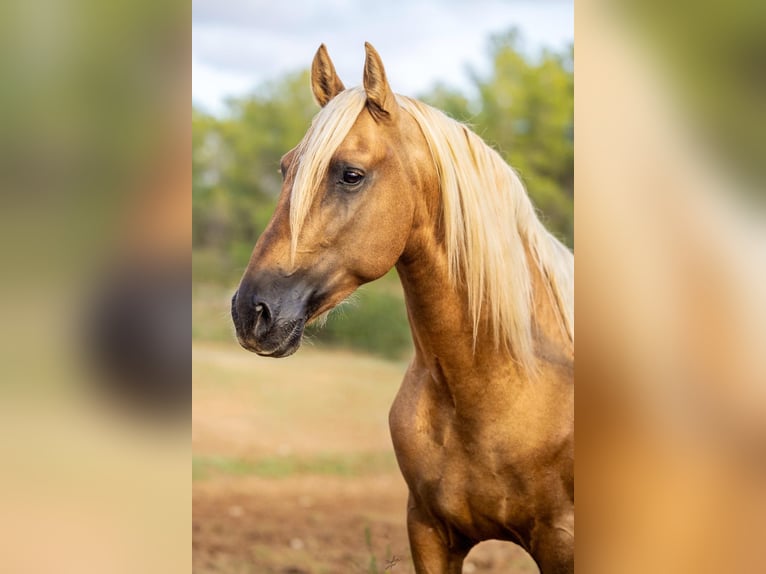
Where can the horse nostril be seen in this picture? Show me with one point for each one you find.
(262, 310)
(262, 317)
(260, 306)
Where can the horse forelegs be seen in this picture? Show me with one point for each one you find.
(553, 547)
(432, 551)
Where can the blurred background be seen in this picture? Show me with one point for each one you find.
(293, 468)
(95, 229)
(671, 286)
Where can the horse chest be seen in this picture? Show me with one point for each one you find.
(466, 482)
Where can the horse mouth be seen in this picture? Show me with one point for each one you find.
(281, 342)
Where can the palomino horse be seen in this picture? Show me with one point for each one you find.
(482, 425)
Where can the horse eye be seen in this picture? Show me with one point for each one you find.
(352, 176)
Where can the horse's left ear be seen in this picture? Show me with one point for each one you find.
(380, 98)
(325, 82)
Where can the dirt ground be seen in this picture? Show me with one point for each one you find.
(299, 521)
(314, 525)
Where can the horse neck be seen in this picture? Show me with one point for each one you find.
(442, 327)
(441, 323)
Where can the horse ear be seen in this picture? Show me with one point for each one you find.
(325, 82)
(380, 99)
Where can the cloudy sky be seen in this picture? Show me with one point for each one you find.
(238, 44)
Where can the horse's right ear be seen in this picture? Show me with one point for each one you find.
(381, 101)
(325, 82)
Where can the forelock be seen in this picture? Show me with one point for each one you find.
(328, 130)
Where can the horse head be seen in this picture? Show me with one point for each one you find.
(344, 214)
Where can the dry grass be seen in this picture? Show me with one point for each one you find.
(315, 402)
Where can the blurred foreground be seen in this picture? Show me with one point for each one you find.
(94, 246)
(671, 264)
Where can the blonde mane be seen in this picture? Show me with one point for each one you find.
(491, 229)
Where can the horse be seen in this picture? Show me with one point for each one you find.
(483, 423)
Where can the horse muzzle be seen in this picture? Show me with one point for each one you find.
(268, 320)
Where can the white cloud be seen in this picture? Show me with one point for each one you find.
(238, 44)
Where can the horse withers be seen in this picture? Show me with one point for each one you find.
(482, 425)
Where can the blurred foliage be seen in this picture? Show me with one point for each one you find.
(523, 107)
(88, 113)
(715, 63)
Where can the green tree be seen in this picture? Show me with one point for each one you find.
(527, 113)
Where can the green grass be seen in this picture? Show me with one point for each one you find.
(346, 465)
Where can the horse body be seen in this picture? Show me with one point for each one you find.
(485, 453)
(482, 425)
